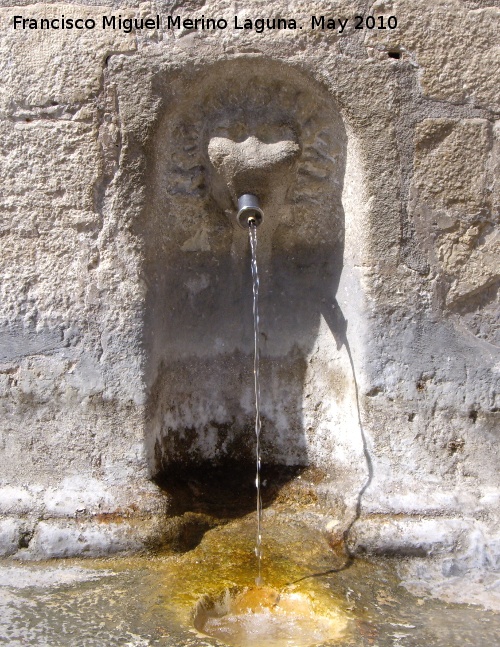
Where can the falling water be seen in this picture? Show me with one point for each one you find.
(252, 231)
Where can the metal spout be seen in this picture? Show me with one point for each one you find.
(249, 210)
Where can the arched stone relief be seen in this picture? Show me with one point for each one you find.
(245, 107)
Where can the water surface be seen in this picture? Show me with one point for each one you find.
(149, 600)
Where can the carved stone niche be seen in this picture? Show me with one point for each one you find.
(265, 129)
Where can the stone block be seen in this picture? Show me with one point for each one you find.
(456, 212)
(407, 536)
(78, 496)
(10, 534)
(58, 70)
(451, 164)
(16, 500)
(56, 539)
(455, 48)
(49, 169)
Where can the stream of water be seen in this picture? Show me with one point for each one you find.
(252, 232)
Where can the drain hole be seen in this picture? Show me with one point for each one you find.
(394, 54)
(25, 538)
(473, 416)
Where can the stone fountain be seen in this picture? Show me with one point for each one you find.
(126, 316)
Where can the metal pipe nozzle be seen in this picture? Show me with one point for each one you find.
(249, 210)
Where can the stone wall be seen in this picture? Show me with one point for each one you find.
(125, 339)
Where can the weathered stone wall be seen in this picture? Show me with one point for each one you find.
(122, 275)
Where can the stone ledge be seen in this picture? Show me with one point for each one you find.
(71, 538)
(409, 537)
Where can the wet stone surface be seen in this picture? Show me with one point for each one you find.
(150, 600)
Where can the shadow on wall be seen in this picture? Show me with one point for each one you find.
(198, 328)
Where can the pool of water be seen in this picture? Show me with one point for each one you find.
(151, 600)
(257, 615)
